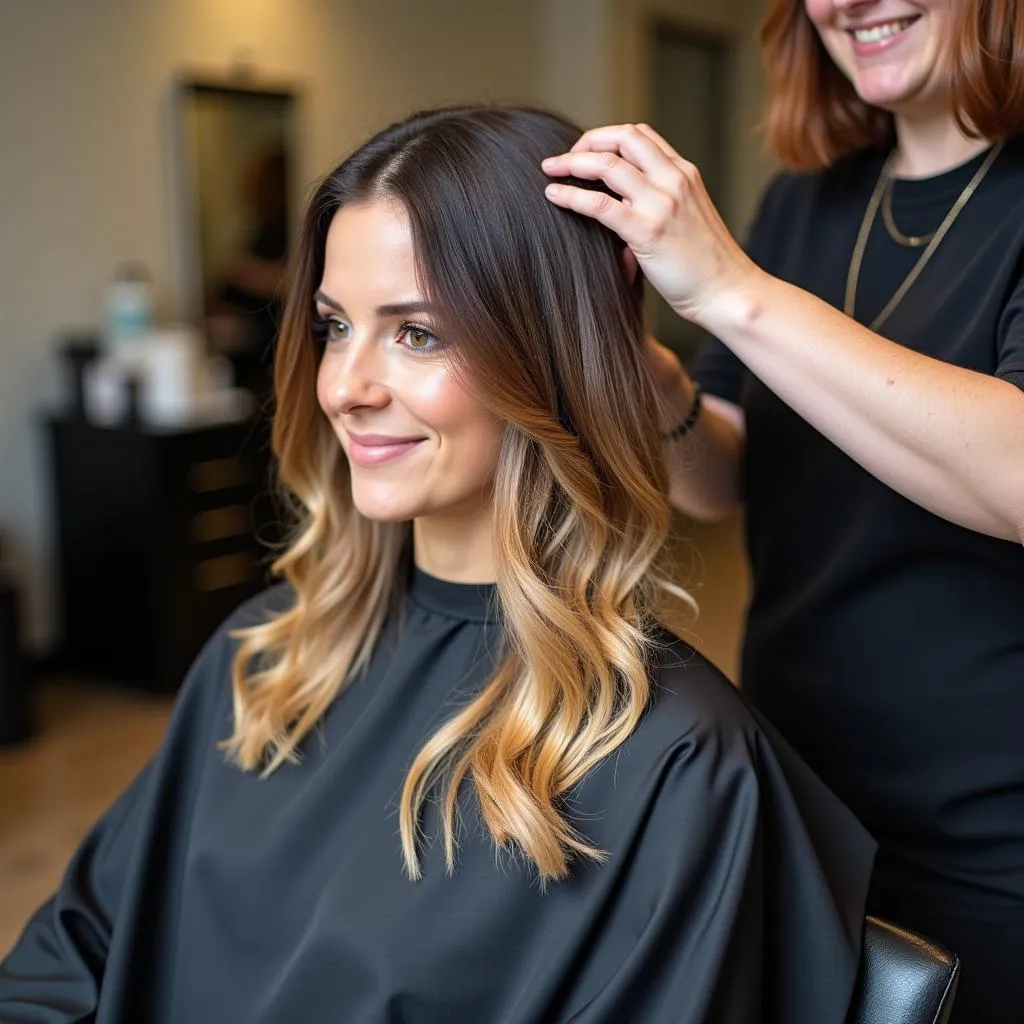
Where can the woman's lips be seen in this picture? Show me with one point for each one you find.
(369, 450)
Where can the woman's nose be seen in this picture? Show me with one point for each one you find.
(354, 379)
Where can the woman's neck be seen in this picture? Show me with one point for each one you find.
(927, 146)
(456, 548)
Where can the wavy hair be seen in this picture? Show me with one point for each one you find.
(814, 115)
(545, 329)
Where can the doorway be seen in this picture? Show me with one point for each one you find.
(690, 107)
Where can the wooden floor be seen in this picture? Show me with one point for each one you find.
(89, 745)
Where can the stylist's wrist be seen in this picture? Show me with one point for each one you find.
(733, 304)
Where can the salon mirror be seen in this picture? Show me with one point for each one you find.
(237, 148)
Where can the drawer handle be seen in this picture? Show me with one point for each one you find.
(219, 474)
(218, 523)
(225, 571)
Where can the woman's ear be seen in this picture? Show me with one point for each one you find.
(629, 264)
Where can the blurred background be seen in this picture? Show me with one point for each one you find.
(154, 158)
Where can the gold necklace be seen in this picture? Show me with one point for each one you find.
(912, 241)
(857, 258)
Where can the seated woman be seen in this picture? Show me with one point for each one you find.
(453, 769)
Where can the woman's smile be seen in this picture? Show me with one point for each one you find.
(369, 450)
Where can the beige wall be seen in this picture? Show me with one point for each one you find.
(736, 21)
(597, 68)
(576, 50)
(86, 170)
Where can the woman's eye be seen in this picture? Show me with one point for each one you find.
(337, 330)
(327, 329)
(419, 339)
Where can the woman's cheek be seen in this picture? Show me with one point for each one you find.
(439, 399)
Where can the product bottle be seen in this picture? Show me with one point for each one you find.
(129, 308)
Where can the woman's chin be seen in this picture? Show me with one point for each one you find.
(895, 95)
(384, 511)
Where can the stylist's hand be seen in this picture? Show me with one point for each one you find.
(665, 215)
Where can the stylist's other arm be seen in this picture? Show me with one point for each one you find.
(703, 464)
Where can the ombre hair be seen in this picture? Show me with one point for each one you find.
(543, 326)
(814, 115)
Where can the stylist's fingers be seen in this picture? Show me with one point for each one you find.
(626, 139)
(628, 142)
(610, 136)
(660, 141)
(606, 209)
(592, 137)
(622, 177)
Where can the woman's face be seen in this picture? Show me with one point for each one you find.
(892, 51)
(419, 444)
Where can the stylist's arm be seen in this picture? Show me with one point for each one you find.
(947, 438)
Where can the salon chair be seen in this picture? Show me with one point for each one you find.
(904, 978)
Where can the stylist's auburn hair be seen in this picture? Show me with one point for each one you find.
(814, 116)
(541, 323)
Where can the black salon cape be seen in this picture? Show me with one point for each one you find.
(733, 889)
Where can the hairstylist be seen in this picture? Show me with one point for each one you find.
(864, 400)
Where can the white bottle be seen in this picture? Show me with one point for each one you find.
(129, 308)
(170, 367)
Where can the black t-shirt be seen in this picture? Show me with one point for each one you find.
(886, 643)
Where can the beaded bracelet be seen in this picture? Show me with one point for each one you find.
(692, 416)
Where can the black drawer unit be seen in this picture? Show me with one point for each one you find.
(160, 535)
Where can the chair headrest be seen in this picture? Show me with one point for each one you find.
(904, 978)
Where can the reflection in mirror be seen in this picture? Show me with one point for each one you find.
(238, 145)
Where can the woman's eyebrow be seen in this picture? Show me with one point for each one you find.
(325, 300)
(403, 308)
(387, 310)
(390, 309)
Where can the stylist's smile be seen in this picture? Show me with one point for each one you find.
(869, 39)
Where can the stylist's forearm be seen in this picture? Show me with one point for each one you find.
(948, 438)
